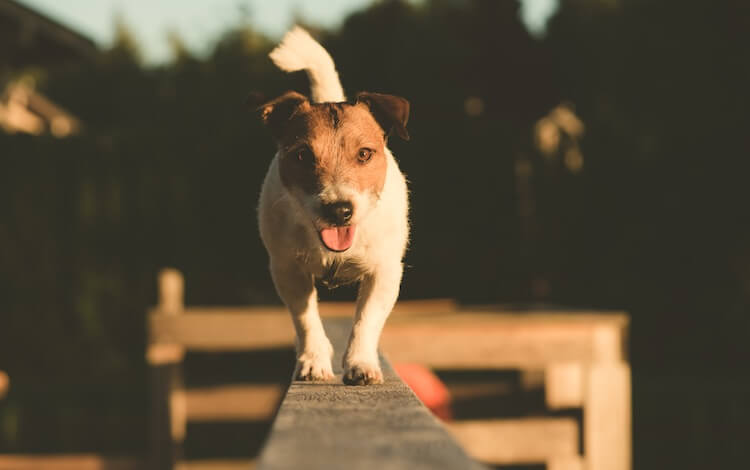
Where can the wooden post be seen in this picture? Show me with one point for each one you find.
(607, 411)
(564, 385)
(169, 414)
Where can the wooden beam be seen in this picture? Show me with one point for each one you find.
(335, 426)
(402, 308)
(607, 416)
(247, 328)
(334, 309)
(517, 441)
(217, 464)
(233, 402)
(474, 340)
(222, 330)
(67, 462)
(460, 340)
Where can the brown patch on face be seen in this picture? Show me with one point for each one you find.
(322, 144)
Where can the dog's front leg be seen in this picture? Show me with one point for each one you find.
(378, 292)
(314, 351)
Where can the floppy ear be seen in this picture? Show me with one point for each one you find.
(391, 112)
(276, 113)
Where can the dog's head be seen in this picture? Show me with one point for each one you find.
(332, 156)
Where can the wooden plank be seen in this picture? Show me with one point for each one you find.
(233, 402)
(217, 464)
(607, 417)
(449, 341)
(335, 426)
(438, 310)
(402, 308)
(500, 341)
(517, 441)
(556, 316)
(67, 462)
(575, 320)
(331, 309)
(236, 328)
(223, 331)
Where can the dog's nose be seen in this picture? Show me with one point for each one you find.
(338, 213)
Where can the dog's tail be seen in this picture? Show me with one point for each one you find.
(299, 51)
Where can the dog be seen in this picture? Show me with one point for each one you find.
(333, 207)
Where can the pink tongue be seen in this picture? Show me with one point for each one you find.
(338, 238)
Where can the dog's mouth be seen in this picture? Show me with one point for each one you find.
(337, 238)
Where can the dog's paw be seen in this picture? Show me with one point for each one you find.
(362, 374)
(314, 369)
(314, 366)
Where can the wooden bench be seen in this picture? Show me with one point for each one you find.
(580, 358)
(174, 329)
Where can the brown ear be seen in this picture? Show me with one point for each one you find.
(391, 112)
(276, 113)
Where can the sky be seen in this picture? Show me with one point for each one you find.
(200, 22)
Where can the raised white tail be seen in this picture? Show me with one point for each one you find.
(299, 51)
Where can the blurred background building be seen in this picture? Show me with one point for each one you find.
(31, 40)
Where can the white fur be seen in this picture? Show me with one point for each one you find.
(299, 51)
(297, 255)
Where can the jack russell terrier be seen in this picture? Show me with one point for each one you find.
(333, 207)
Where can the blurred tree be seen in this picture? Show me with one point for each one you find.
(125, 46)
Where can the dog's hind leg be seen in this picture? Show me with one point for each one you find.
(314, 351)
(378, 292)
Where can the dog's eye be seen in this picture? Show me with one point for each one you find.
(305, 155)
(365, 155)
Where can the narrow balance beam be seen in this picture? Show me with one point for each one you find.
(334, 426)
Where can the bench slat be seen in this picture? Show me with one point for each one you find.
(233, 402)
(459, 340)
(528, 440)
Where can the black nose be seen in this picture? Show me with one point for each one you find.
(338, 213)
